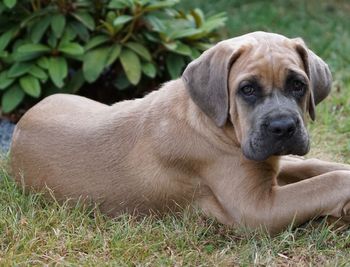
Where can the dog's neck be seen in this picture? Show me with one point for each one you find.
(224, 137)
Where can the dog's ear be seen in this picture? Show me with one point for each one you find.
(206, 80)
(319, 75)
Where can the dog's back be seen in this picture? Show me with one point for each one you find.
(109, 154)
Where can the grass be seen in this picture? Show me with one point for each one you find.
(38, 231)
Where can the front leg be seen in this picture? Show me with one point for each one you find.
(294, 169)
(250, 197)
(324, 195)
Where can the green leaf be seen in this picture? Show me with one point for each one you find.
(58, 22)
(68, 35)
(6, 37)
(30, 85)
(58, 70)
(17, 43)
(27, 52)
(122, 20)
(33, 48)
(183, 49)
(200, 35)
(80, 30)
(203, 46)
(18, 69)
(139, 49)
(16, 56)
(113, 54)
(152, 37)
(75, 83)
(110, 16)
(94, 62)
(161, 4)
(4, 54)
(195, 53)
(5, 81)
(131, 65)
(121, 82)
(10, 3)
(74, 49)
(198, 16)
(175, 65)
(157, 24)
(170, 46)
(96, 41)
(37, 31)
(179, 48)
(86, 19)
(111, 30)
(119, 4)
(38, 73)
(214, 22)
(12, 98)
(31, 16)
(43, 62)
(52, 40)
(182, 33)
(149, 69)
(144, 2)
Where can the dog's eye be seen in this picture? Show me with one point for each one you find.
(248, 90)
(298, 87)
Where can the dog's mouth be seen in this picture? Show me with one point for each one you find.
(260, 148)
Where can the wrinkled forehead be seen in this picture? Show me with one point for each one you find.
(268, 62)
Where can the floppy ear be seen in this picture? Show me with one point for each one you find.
(206, 80)
(319, 75)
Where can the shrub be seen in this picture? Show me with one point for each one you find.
(59, 46)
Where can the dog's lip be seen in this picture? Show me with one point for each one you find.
(259, 147)
(283, 152)
(253, 154)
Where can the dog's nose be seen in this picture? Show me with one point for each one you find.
(282, 127)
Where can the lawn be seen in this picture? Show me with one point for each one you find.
(37, 231)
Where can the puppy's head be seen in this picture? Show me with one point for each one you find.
(264, 84)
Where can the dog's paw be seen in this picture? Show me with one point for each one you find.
(345, 213)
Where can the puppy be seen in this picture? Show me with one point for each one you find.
(216, 138)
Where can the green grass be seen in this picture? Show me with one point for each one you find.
(38, 231)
